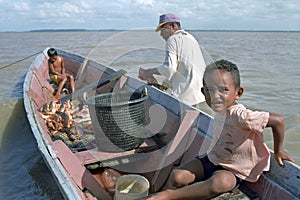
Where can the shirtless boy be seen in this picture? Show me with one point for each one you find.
(57, 71)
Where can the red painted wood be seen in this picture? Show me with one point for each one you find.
(76, 171)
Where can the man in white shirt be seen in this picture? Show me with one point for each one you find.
(184, 63)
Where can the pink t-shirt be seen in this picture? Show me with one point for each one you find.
(238, 142)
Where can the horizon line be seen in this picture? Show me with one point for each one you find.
(95, 30)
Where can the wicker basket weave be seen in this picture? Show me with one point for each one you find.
(118, 120)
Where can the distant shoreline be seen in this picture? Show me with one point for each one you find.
(105, 30)
(69, 30)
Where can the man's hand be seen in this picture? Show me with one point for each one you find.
(147, 75)
(142, 74)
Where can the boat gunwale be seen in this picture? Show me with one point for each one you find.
(56, 168)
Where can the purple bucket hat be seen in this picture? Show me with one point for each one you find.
(165, 18)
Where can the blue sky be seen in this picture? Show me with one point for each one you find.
(24, 15)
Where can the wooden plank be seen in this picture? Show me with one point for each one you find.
(77, 172)
(178, 145)
(93, 86)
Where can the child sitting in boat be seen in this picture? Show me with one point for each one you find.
(57, 71)
(237, 151)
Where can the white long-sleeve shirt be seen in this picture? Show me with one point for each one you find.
(184, 67)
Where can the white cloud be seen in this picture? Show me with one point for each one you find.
(65, 10)
(85, 5)
(20, 6)
(145, 2)
(67, 7)
(128, 14)
(42, 13)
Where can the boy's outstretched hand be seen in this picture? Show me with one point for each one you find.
(282, 155)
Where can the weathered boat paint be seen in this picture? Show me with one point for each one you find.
(187, 124)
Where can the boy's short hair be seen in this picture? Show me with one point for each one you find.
(224, 65)
(51, 52)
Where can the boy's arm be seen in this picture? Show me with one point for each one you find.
(276, 122)
(62, 65)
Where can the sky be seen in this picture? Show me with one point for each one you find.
(26, 15)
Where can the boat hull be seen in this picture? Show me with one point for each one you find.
(72, 169)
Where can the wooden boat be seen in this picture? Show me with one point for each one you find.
(80, 170)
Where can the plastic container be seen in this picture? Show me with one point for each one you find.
(138, 191)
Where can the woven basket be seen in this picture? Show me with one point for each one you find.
(118, 120)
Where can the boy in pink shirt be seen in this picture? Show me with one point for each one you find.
(237, 151)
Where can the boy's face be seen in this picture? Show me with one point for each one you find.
(220, 91)
(52, 59)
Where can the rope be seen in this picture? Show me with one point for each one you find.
(20, 60)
